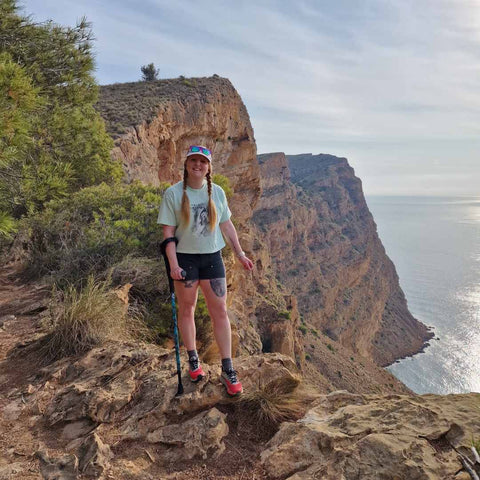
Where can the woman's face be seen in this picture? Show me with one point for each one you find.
(197, 166)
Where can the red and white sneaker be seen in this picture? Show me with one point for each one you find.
(195, 370)
(229, 379)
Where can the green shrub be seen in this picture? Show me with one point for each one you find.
(8, 226)
(52, 140)
(150, 295)
(149, 72)
(284, 314)
(224, 182)
(308, 357)
(303, 329)
(330, 347)
(93, 229)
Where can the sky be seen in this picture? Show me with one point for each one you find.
(394, 86)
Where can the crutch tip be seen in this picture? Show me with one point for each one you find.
(179, 391)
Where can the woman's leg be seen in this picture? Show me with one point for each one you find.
(187, 293)
(215, 293)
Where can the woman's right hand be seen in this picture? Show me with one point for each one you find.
(176, 273)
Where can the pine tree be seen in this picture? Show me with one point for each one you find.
(149, 72)
(18, 102)
(52, 140)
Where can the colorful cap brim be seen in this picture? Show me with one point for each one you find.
(208, 157)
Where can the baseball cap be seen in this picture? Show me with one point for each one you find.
(200, 150)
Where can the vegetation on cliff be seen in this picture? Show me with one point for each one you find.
(63, 205)
(92, 230)
(149, 72)
(127, 105)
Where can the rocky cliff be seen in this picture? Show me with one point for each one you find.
(157, 122)
(325, 248)
(312, 237)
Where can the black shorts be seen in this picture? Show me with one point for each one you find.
(202, 266)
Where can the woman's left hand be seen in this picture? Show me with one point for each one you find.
(246, 262)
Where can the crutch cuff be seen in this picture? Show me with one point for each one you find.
(163, 245)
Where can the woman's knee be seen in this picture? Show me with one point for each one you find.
(187, 307)
(218, 311)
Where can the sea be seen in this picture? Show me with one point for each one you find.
(434, 243)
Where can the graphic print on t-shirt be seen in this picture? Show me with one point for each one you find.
(200, 220)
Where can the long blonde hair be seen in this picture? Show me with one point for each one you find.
(185, 211)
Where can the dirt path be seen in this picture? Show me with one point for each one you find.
(20, 324)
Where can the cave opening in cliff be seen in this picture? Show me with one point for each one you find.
(266, 344)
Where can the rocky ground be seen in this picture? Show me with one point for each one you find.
(112, 413)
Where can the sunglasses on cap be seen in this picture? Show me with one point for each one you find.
(197, 149)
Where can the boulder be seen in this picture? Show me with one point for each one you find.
(134, 386)
(5, 319)
(77, 429)
(365, 436)
(199, 437)
(93, 456)
(58, 468)
(253, 371)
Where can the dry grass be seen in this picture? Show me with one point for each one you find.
(81, 319)
(282, 400)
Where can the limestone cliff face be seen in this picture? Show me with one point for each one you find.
(325, 248)
(202, 111)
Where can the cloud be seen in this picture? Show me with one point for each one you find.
(313, 75)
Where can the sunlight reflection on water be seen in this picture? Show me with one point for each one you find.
(435, 245)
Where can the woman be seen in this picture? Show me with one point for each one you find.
(195, 213)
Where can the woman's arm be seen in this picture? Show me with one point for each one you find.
(231, 237)
(171, 251)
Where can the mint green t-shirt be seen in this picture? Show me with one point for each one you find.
(196, 237)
